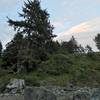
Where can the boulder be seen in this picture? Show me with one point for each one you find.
(12, 97)
(81, 96)
(96, 95)
(38, 93)
(16, 90)
(15, 86)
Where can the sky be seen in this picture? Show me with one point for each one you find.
(80, 18)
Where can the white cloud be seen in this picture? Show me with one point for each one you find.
(84, 32)
(58, 24)
(85, 27)
(7, 33)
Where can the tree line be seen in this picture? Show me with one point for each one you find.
(33, 41)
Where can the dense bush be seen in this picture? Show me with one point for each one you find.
(57, 64)
(35, 56)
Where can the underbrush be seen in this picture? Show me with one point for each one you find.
(59, 70)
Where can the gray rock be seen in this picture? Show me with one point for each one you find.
(96, 95)
(12, 97)
(15, 86)
(61, 93)
(16, 90)
(81, 96)
(38, 93)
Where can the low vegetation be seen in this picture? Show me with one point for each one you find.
(33, 55)
(60, 69)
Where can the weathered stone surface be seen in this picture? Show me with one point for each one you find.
(16, 90)
(12, 97)
(72, 94)
(38, 93)
(81, 96)
(58, 93)
(15, 86)
(96, 95)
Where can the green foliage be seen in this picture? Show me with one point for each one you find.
(34, 56)
(57, 64)
(11, 54)
(71, 46)
(60, 69)
(1, 48)
(91, 55)
(97, 41)
(35, 24)
(81, 49)
(88, 49)
(52, 46)
(31, 79)
(36, 31)
(5, 76)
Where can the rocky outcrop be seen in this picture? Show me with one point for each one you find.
(13, 90)
(16, 90)
(38, 93)
(15, 86)
(12, 97)
(96, 95)
(61, 93)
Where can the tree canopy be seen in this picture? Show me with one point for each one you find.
(97, 41)
(71, 46)
(34, 32)
(1, 48)
(33, 42)
(35, 24)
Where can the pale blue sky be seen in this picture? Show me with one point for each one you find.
(80, 18)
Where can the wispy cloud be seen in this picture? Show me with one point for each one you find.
(85, 27)
(84, 32)
(58, 24)
(7, 33)
(68, 17)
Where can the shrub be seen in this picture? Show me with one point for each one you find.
(57, 64)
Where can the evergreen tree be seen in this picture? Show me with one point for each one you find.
(11, 53)
(70, 46)
(1, 48)
(52, 46)
(35, 24)
(81, 49)
(97, 41)
(37, 32)
(88, 49)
